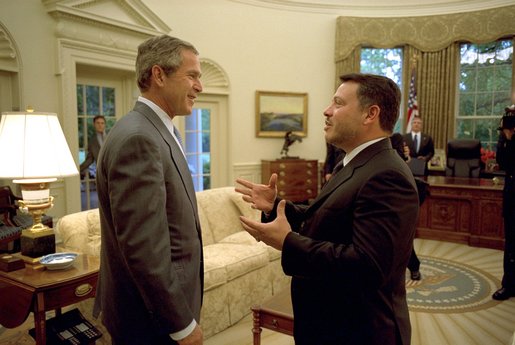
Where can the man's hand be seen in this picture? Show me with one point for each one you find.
(195, 337)
(508, 133)
(272, 233)
(260, 196)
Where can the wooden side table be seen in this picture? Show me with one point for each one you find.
(275, 314)
(40, 290)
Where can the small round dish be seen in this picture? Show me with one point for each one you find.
(58, 261)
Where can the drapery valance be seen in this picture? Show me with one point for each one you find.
(426, 33)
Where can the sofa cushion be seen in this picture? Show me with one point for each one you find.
(207, 234)
(244, 237)
(215, 273)
(72, 229)
(93, 221)
(221, 213)
(238, 259)
(244, 207)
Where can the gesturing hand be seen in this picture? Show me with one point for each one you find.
(272, 233)
(260, 196)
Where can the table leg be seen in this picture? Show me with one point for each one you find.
(40, 319)
(256, 329)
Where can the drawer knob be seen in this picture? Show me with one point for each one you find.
(282, 165)
(309, 191)
(309, 172)
(309, 165)
(308, 181)
(282, 183)
(83, 290)
(282, 173)
(282, 193)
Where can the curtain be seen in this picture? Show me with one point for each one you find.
(435, 41)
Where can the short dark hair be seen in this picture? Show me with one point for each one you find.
(99, 117)
(377, 90)
(164, 51)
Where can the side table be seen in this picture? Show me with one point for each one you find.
(39, 290)
(275, 314)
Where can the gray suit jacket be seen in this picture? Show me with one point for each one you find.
(349, 252)
(92, 156)
(151, 271)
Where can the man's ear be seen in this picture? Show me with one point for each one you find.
(373, 113)
(158, 75)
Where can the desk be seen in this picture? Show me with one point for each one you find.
(39, 290)
(275, 314)
(463, 210)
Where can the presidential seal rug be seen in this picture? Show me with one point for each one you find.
(448, 286)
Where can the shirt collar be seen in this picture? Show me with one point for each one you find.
(349, 156)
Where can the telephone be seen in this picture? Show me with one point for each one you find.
(69, 328)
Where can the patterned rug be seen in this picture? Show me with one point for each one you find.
(450, 287)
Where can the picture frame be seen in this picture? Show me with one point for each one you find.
(491, 165)
(438, 162)
(280, 112)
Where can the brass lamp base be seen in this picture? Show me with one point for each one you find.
(35, 244)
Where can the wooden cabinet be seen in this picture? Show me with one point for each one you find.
(297, 178)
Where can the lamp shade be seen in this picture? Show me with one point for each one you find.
(33, 146)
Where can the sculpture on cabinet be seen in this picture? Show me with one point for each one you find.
(289, 139)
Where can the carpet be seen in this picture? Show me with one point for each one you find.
(449, 286)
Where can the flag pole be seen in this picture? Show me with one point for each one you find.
(412, 97)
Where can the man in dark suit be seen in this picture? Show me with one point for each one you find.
(94, 143)
(420, 144)
(347, 251)
(151, 271)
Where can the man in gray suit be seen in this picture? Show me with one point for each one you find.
(347, 251)
(151, 271)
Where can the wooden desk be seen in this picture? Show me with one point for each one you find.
(40, 290)
(464, 210)
(275, 314)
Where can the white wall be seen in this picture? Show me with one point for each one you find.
(261, 49)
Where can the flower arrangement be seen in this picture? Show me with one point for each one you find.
(487, 154)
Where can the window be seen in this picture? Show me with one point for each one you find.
(385, 62)
(484, 90)
(92, 100)
(198, 147)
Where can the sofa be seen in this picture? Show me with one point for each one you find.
(238, 271)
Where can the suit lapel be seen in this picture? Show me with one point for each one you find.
(175, 151)
(346, 173)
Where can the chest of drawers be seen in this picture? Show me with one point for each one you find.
(297, 178)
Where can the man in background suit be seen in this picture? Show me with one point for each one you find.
(420, 144)
(347, 251)
(94, 144)
(151, 272)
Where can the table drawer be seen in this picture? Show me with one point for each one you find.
(277, 324)
(73, 292)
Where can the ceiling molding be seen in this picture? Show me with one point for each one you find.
(375, 8)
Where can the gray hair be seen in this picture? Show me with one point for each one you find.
(164, 51)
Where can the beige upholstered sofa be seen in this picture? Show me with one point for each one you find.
(239, 272)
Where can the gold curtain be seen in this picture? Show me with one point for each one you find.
(435, 41)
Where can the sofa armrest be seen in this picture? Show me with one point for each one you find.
(76, 230)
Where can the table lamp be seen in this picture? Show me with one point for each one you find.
(34, 153)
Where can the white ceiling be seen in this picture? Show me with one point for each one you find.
(379, 8)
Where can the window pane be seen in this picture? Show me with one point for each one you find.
(485, 89)
(92, 100)
(80, 99)
(108, 101)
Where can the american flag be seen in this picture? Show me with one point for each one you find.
(412, 102)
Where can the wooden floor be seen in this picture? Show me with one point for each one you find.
(491, 326)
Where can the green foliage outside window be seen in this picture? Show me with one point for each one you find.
(484, 90)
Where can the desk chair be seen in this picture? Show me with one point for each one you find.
(463, 158)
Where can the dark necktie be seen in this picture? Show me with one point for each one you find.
(415, 143)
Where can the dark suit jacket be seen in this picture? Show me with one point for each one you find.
(92, 156)
(427, 147)
(349, 251)
(151, 272)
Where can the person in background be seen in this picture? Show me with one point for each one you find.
(506, 158)
(332, 157)
(151, 261)
(347, 251)
(402, 149)
(94, 144)
(420, 144)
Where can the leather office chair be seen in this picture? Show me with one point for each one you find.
(463, 158)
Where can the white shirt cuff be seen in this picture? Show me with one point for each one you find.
(185, 332)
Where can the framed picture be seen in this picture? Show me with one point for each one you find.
(491, 165)
(438, 162)
(280, 112)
